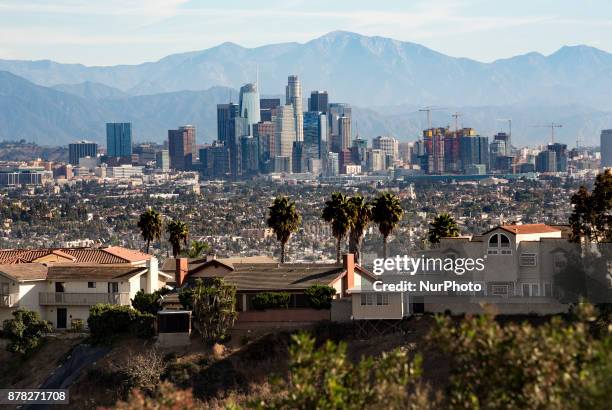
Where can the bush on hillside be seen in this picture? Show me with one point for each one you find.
(320, 296)
(106, 321)
(271, 300)
(149, 302)
(25, 331)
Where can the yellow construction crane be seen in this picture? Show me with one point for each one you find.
(552, 127)
(428, 110)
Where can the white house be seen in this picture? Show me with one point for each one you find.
(62, 284)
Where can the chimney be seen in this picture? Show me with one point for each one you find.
(182, 268)
(348, 262)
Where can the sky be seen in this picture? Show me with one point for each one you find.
(109, 32)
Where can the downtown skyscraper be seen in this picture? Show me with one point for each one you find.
(293, 96)
(119, 139)
(249, 105)
(182, 147)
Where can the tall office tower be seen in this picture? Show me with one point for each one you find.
(560, 151)
(375, 160)
(315, 131)
(606, 148)
(249, 105)
(404, 150)
(318, 101)
(239, 127)
(81, 149)
(502, 136)
(389, 146)
(119, 139)
(298, 159)
(267, 106)
(215, 160)
(497, 149)
(182, 147)
(332, 167)
(225, 114)
(344, 131)
(162, 160)
(546, 161)
(335, 111)
(293, 96)
(358, 152)
(249, 155)
(474, 151)
(284, 132)
(264, 132)
(145, 153)
(344, 159)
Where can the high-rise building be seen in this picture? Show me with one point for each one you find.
(182, 147)
(433, 160)
(606, 148)
(344, 131)
(560, 151)
(162, 160)
(318, 101)
(249, 155)
(502, 136)
(332, 167)
(299, 162)
(267, 106)
(388, 145)
(335, 111)
(284, 131)
(474, 150)
(239, 127)
(358, 152)
(215, 160)
(119, 139)
(264, 132)
(249, 105)
(546, 161)
(294, 97)
(315, 131)
(225, 114)
(375, 160)
(81, 149)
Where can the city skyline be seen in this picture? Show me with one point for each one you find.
(104, 33)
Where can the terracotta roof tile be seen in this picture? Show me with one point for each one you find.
(113, 254)
(529, 229)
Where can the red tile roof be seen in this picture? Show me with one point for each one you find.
(529, 229)
(113, 254)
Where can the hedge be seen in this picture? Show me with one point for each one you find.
(320, 296)
(106, 321)
(271, 300)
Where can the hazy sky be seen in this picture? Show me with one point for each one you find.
(106, 32)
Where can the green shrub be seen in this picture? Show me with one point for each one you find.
(147, 302)
(186, 298)
(25, 331)
(320, 296)
(271, 300)
(106, 321)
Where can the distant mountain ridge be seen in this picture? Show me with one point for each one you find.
(357, 69)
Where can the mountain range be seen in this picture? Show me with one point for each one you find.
(386, 80)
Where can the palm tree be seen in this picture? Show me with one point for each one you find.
(361, 214)
(338, 213)
(284, 220)
(150, 224)
(386, 213)
(178, 233)
(443, 226)
(196, 249)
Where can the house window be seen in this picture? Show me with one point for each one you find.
(113, 287)
(499, 244)
(547, 290)
(531, 289)
(91, 285)
(382, 299)
(527, 259)
(367, 299)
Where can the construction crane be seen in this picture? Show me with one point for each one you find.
(552, 127)
(509, 120)
(428, 110)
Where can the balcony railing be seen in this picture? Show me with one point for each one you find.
(82, 299)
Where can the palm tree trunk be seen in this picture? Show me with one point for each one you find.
(338, 250)
(282, 255)
(385, 247)
(148, 243)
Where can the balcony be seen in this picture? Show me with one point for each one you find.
(82, 299)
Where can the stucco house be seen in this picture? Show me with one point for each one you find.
(62, 284)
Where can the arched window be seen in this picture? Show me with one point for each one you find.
(499, 244)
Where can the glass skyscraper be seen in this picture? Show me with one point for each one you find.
(119, 139)
(249, 105)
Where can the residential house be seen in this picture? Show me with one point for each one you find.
(62, 284)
